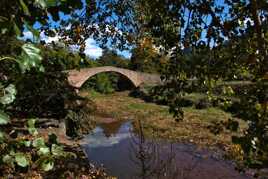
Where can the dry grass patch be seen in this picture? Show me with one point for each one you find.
(157, 121)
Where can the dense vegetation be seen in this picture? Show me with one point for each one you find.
(33, 86)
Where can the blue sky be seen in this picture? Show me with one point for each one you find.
(92, 49)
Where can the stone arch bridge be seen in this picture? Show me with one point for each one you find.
(77, 78)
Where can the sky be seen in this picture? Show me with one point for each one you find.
(92, 49)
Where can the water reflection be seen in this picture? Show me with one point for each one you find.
(146, 154)
(107, 136)
(126, 154)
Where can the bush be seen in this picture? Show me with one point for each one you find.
(42, 95)
(203, 104)
(78, 119)
(145, 93)
(100, 83)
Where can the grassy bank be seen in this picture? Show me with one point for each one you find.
(158, 122)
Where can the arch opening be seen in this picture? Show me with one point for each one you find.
(108, 82)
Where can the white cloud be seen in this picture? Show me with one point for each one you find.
(92, 49)
(247, 20)
(27, 35)
(98, 138)
(49, 39)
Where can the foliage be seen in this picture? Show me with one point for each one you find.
(30, 151)
(9, 94)
(213, 51)
(13, 152)
(24, 151)
(16, 15)
(102, 83)
(60, 58)
(111, 58)
(41, 95)
(146, 58)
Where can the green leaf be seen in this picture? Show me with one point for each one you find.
(32, 131)
(25, 8)
(21, 159)
(57, 150)
(46, 3)
(8, 159)
(258, 107)
(4, 118)
(43, 151)
(31, 127)
(40, 3)
(31, 123)
(41, 69)
(30, 57)
(4, 31)
(9, 95)
(12, 153)
(3, 19)
(47, 165)
(16, 29)
(27, 143)
(2, 137)
(39, 142)
(52, 3)
(31, 51)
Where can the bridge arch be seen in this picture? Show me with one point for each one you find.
(77, 78)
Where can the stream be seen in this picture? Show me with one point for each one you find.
(127, 154)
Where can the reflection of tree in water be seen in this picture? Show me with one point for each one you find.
(111, 129)
(155, 161)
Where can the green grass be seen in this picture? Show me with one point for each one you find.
(138, 106)
(195, 96)
(92, 94)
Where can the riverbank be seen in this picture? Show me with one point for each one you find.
(158, 122)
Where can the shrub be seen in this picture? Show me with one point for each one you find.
(203, 103)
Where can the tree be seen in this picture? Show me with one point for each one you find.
(146, 58)
(16, 16)
(111, 58)
(202, 29)
(23, 57)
